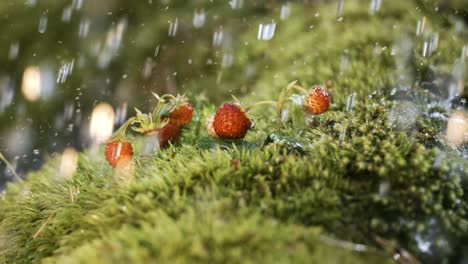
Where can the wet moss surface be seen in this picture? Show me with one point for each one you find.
(359, 183)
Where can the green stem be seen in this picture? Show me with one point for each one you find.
(283, 99)
(121, 132)
(275, 104)
(10, 167)
(297, 88)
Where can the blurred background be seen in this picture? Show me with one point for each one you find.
(67, 67)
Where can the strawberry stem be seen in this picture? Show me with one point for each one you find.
(275, 104)
(121, 132)
(297, 88)
(10, 167)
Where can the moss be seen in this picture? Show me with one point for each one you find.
(292, 194)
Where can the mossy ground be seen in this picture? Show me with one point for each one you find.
(292, 194)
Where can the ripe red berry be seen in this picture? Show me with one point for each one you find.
(317, 101)
(231, 122)
(119, 153)
(169, 133)
(182, 115)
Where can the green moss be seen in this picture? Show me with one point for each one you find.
(282, 195)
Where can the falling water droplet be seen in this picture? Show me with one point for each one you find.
(67, 13)
(199, 18)
(77, 4)
(31, 84)
(102, 123)
(173, 25)
(42, 24)
(340, 8)
(13, 51)
(350, 101)
(421, 26)
(68, 163)
(236, 4)
(374, 6)
(218, 37)
(266, 31)
(457, 127)
(31, 3)
(228, 60)
(83, 29)
(285, 11)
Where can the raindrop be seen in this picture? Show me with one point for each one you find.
(102, 123)
(236, 4)
(42, 24)
(77, 4)
(31, 84)
(65, 70)
(83, 29)
(173, 27)
(67, 13)
(464, 53)
(285, 11)
(425, 49)
(340, 8)
(31, 3)
(148, 68)
(374, 6)
(6, 92)
(266, 31)
(457, 127)
(344, 62)
(14, 50)
(218, 37)
(121, 113)
(350, 101)
(420, 26)
(228, 60)
(156, 51)
(343, 133)
(68, 163)
(285, 115)
(199, 18)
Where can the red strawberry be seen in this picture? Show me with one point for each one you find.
(231, 122)
(167, 134)
(182, 115)
(119, 153)
(317, 101)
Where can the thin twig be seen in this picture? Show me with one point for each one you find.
(10, 167)
(43, 226)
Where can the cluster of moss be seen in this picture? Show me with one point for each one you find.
(315, 190)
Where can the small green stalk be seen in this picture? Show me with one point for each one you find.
(10, 167)
(120, 134)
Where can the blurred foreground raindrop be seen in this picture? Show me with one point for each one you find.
(266, 31)
(68, 163)
(102, 123)
(457, 129)
(31, 84)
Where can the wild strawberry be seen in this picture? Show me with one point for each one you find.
(182, 115)
(231, 122)
(119, 153)
(317, 101)
(166, 134)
